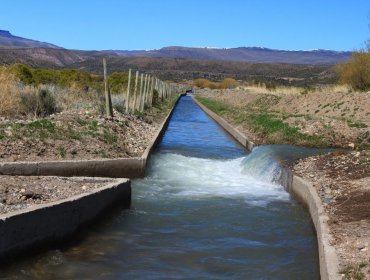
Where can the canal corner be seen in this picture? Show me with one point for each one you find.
(46, 224)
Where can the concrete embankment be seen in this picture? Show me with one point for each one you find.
(240, 137)
(112, 168)
(56, 221)
(304, 192)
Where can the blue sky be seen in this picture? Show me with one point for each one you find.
(148, 24)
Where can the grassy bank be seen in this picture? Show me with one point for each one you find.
(268, 127)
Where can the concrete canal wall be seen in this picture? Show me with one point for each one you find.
(113, 168)
(53, 222)
(305, 193)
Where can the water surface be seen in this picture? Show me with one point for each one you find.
(206, 210)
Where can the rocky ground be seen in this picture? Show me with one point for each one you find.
(78, 135)
(69, 135)
(19, 192)
(341, 178)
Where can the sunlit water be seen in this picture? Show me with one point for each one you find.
(206, 210)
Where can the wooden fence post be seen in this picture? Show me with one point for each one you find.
(135, 91)
(151, 92)
(128, 90)
(162, 91)
(141, 89)
(108, 100)
(142, 103)
(147, 91)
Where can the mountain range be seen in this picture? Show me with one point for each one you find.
(241, 54)
(303, 68)
(9, 40)
(244, 54)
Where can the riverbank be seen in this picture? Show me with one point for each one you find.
(316, 119)
(71, 135)
(82, 135)
(341, 179)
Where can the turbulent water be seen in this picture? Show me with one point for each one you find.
(206, 210)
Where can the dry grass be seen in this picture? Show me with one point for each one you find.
(9, 95)
(290, 90)
(224, 84)
(72, 98)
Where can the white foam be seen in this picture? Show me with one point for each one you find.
(189, 177)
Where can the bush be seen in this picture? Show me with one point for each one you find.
(23, 73)
(9, 94)
(356, 72)
(225, 83)
(62, 78)
(228, 83)
(41, 103)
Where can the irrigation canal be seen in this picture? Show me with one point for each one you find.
(206, 210)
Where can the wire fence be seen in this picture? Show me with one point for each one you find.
(142, 91)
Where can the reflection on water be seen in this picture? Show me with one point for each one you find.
(204, 211)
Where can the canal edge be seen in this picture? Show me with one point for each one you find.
(304, 191)
(54, 222)
(235, 133)
(112, 168)
(57, 221)
(157, 137)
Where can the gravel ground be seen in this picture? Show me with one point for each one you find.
(69, 135)
(74, 135)
(20, 192)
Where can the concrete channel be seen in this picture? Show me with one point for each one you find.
(305, 193)
(54, 222)
(112, 168)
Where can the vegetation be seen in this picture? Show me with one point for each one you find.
(225, 83)
(41, 103)
(41, 92)
(48, 129)
(355, 271)
(270, 127)
(356, 72)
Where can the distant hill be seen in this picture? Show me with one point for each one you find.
(180, 69)
(181, 63)
(244, 54)
(176, 69)
(9, 40)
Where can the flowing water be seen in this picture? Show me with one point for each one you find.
(206, 210)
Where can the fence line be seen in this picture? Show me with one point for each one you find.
(150, 91)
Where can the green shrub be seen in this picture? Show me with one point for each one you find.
(41, 103)
(23, 73)
(118, 82)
